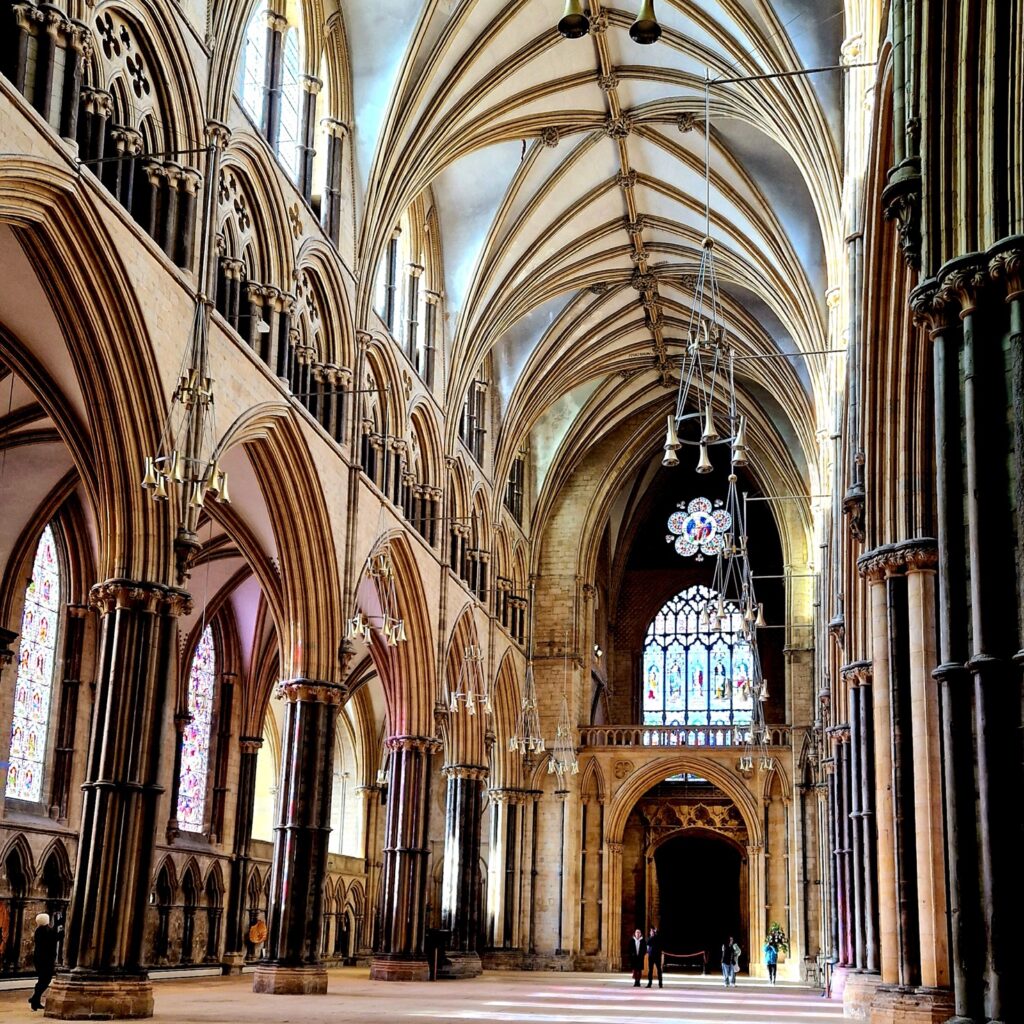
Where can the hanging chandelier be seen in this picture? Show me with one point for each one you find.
(706, 379)
(575, 23)
(563, 760)
(379, 569)
(527, 737)
(185, 467)
(470, 689)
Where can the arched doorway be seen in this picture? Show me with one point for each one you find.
(685, 868)
(701, 893)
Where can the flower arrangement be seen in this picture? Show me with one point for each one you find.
(777, 938)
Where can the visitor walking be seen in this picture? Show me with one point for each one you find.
(637, 950)
(771, 958)
(44, 956)
(730, 961)
(654, 956)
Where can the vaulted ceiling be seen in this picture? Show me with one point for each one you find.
(568, 177)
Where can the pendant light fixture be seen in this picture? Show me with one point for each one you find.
(707, 387)
(184, 469)
(470, 690)
(575, 23)
(645, 30)
(527, 738)
(563, 760)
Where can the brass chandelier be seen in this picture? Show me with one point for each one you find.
(706, 378)
(470, 690)
(527, 737)
(563, 760)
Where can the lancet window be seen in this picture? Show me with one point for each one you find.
(691, 673)
(33, 687)
(195, 737)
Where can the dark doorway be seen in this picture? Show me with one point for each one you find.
(700, 895)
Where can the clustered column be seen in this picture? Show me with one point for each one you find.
(234, 943)
(103, 947)
(299, 869)
(403, 888)
(973, 310)
(460, 882)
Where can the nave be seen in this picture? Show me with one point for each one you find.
(498, 996)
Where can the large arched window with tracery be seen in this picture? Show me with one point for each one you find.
(693, 675)
(33, 687)
(195, 739)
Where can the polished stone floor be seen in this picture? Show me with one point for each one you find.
(495, 996)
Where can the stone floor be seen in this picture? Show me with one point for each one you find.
(495, 996)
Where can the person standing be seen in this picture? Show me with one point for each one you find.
(730, 961)
(44, 957)
(654, 955)
(637, 949)
(771, 958)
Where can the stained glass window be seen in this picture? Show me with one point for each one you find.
(254, 64)
(698, 528)
(291, 102)
(694, 675)
(36, 664)
(195, 739)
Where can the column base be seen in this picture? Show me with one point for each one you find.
(461, 965)
(859, 990)
(232, 963)
(279, 980)
(71, 998)
(502, 959)
(895, 1005)
(398, 968)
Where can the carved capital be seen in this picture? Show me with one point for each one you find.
(857, 673)
(962, 282)
(931, 308)
(921, 554)
(1006, 267)
(250, 744)
(426, 744)
(315, 691)
(472, 772)
(217, 134)
(132, 595)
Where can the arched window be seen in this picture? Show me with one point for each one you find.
(291, 99)
(253, 75)
(693, 674)
(195, 740)
(37, 659)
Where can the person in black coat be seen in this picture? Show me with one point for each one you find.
(636, 949)
(654, 952)
(44, 957)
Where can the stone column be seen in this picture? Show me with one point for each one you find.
(311, 87)
(927, 775)
(882, 735)
(854, 812)
(292, 964)
(364, 939)
(330, 207)
(612, 924)
(403, 890)
(503, 869)
(277, 25)
(867, 818)
(995, 639)
(103, 946)
(460, 884)
(936, 312)
(234, 940)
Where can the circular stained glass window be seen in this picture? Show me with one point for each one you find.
(697, 529)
